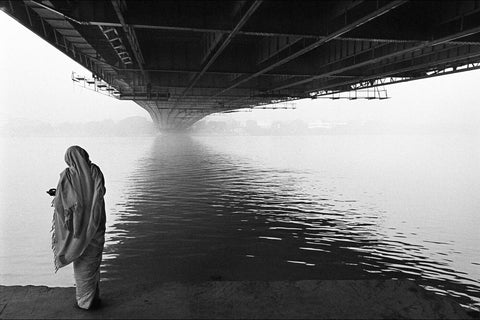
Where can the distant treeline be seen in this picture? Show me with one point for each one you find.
(139, 126)
(132, 126)
(300, 127)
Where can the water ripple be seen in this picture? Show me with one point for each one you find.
(194, 213)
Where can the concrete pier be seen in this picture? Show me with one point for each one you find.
(320, 299)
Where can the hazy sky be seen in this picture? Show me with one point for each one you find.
(35, 84)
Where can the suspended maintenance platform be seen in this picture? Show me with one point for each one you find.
(183, 60)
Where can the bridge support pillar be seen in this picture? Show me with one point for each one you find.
(168, 119)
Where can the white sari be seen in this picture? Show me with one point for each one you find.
(78, 231)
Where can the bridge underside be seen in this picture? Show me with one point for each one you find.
(168, 118)
(183, 60)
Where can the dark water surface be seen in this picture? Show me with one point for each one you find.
(269, 208)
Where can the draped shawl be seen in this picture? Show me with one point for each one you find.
(79, 208)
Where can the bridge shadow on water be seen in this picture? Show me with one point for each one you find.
(194, 213)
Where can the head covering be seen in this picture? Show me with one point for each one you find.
(79, 207)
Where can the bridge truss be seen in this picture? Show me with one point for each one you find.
(183, 60)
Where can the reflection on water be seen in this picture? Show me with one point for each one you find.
(196, 209)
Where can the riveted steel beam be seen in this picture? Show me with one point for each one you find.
(432, 43)
(120, 7)
(464, 59)
(335, 34)
(251, 10)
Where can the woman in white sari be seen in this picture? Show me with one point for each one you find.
(78, 231)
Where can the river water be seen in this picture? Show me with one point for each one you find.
(198, 208)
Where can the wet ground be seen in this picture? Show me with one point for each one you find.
(340, 299)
